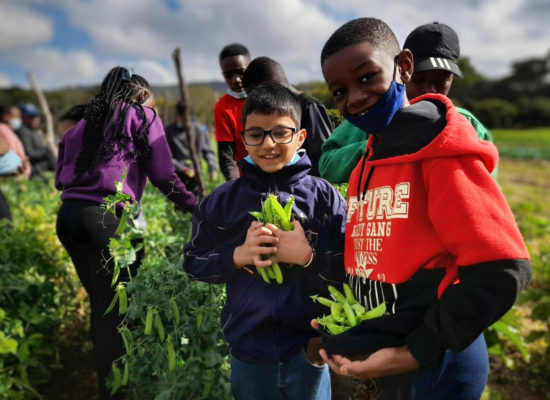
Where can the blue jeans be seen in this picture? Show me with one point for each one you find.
(457, 376)
(295, 379)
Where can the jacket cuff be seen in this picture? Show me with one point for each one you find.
(226, 260)
(424, 344)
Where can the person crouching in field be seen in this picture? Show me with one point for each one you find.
(119, 131)
(267, 325)
(428, 230)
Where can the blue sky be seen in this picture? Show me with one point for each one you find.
(75, 42)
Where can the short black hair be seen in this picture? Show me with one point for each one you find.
(75, 113)
(270, 98)
(360, 30)
(234, 49)
(263, 69)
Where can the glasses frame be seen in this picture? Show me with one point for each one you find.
(269, 132)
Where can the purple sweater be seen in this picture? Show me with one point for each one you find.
(100, 182)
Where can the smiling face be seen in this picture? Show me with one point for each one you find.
(233, 69)
(270, 156)
(358, 75)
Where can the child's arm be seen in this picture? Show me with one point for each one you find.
(223, 128)
(341, 153)
(209, 259)
(476, 225)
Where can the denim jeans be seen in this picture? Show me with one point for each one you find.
(295, 379)
(456, 376)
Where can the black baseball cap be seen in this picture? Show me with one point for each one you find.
(434, 46)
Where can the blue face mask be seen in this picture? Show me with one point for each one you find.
(379, 116)
(237, 95)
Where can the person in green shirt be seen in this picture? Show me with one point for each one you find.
(436, 49)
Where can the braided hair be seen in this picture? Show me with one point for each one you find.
(106, 116)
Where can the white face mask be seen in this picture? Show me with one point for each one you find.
(16, 123)
(237, 95)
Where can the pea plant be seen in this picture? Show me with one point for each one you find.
(171, 330)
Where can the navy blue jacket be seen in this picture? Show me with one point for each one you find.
(265, 323)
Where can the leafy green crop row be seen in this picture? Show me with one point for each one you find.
(37, 289)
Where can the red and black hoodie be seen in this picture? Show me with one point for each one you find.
(430, 233)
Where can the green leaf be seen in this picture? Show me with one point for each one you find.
(7, 345)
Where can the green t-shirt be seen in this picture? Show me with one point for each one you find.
(346, 145)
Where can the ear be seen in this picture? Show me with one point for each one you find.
(302, 134)
(405, 64)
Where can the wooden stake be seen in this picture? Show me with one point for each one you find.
(189, 128)
(49, 137)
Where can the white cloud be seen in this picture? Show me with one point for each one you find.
(22, 27)
(52, 67)
(290, 31)
(5, 81)
(493, 33)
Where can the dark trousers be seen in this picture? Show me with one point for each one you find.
(456, 376)
(84, 230)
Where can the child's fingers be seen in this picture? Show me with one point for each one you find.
(314, 324)
(266, 240)
(259, 263)
(272, 228)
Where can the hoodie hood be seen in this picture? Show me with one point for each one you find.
(430, 127)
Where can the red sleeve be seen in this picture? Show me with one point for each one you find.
(223, 123)
(470, 213)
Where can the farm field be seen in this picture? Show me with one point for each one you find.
(45, 351)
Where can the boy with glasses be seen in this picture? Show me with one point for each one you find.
(267, 325)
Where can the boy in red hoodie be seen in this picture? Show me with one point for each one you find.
(428, 230)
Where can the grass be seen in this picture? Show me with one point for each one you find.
(523, 143)
(526, 186)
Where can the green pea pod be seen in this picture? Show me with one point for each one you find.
(113, 302)
(171, 356)
(288, 207)
(258, 215)
(335, 329)
(270, 273)
(176, 312)
(349, 314)
(123, 223)
(159, 325)
(349, 293)
(322, 300)
(336, 310)
(376, 312)
(358, 309)
(117, 379)
(277, 272)
(263, 274)
(122, 299)
(279, 214)
(149, 321)
(126, 374)
(267, 211)
(339, 297)
(127, 345)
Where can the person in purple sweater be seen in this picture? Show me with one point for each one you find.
(119, 131)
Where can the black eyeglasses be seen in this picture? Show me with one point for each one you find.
(280, 135)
